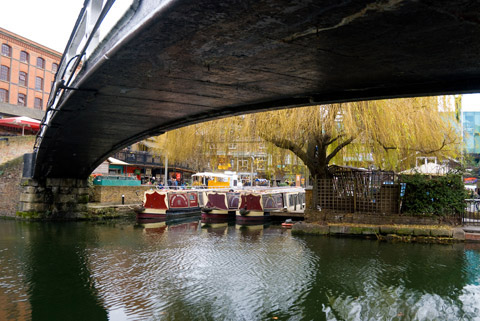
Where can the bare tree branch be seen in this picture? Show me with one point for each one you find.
(287, 144)
(338, 148)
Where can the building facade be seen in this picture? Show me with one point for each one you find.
(471, 131)
(27, 71)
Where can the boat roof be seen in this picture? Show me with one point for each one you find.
(214, 174)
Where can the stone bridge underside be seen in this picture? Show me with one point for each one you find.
(193, 60)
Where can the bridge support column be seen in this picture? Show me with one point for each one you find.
(53, 198)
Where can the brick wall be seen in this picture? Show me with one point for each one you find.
(10, 176)
(15, 146)
(18, 44)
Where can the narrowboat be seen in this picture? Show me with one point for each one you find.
(292, 201)
(220, 206)
(261, 205)
(166, 203)
(251, 208)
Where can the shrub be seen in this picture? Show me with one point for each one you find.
(438, 195)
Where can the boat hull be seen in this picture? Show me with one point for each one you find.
(218, 217)
(252, 217)
(187, 212)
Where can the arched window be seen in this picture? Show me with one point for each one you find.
(22, 100)
(4, 73)
(24, 56)
(3, 96)
(22, 79)
(54, 67)
(6, 50)
(40, 62)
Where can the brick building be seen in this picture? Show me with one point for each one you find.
(27, 70)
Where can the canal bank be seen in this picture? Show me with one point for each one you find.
(105, 202)
(443, 234)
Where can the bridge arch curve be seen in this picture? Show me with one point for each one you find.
(180, 62)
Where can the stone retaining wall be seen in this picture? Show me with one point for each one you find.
(429, 234)
(12, 147)
(113, 194)
(53, 198)
(327, 216)
(10, 190)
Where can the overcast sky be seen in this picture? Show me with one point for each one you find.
(48, 22)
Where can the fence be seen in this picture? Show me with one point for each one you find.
(359, 191)
(471, 215)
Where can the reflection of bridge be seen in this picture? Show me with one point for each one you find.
(180, 62)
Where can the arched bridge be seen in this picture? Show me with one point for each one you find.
(160, 65)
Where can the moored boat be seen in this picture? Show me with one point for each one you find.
(288, 223)
(220, 205)
(262, 204)
(251, 208)
(165, 203)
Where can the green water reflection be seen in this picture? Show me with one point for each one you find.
(183, 271)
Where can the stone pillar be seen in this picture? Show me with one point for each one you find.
(53, 198)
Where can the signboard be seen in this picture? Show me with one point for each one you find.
(178, 176)
(148, 172)
(470, 180)
(298, 180)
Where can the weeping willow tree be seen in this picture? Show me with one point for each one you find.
(387, 132)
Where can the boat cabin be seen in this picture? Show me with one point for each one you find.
(216, 180)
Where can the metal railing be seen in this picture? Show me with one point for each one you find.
(471, 214)
(146, 158)
(83, 41)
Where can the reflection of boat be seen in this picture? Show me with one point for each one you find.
(190, 224)
(152, 226)
(166, 203)
(250, 230)
(215, 228)
(158, 226)
(220, 205)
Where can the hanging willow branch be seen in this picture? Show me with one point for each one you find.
(387, 131)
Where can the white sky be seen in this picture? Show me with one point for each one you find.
(48, 22)
(471, 102)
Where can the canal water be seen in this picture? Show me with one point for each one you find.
(125, 271)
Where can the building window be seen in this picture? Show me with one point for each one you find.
(54, 67)
(4, 73)
(22, 99)
(6, 50)
(3, 96)
(24, 56)
(22, 79)
(38, 83)
(41, 63)
(38, 103)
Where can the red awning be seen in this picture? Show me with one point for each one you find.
(21, 122)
